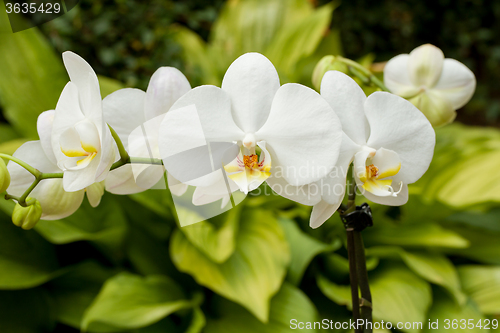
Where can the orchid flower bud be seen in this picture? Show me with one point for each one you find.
(27, 217)
(4, 177)
(327, 63)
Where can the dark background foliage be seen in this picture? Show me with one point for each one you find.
(129, 40)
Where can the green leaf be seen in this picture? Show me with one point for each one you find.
(218, 244)
(289, 303)
(105, 225)
(299, 41)
(433, 267)
(444, 309)
(252, 274)
(33, 77)
(129, 301)
(198, 321)
(26, 259)
(462, 172)
(482, 284)
(398, 295)
(25, 311)
(303, 249)
(421, 235)
(73, 292)
(196, 58)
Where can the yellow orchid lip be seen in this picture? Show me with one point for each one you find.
(246, 170)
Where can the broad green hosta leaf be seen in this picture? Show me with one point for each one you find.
(482, 284)
(444, 309)
(196, 59)
(33, 77)
(463, 170)
(415, 235)
(289, 303)
(433, 267)
(303, 249)
(73, 292)
(26, 259)
(25, 311)
(285, 31)
(299, 41)
(252, 274)
(130, 301)
(105, 225)
(217, 243)
(398, 295)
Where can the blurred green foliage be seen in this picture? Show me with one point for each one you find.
(127, 266)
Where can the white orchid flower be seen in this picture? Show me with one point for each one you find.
(56, 203)
(136, 115)
(81, 140)
(435, 85)
(298, 133)
(389, 140)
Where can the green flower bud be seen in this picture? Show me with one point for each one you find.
(4, 176)
(327, 63)
(27, 217)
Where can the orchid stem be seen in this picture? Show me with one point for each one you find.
(364, 74)
(358, 272)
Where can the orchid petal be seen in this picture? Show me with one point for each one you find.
(425, 65)
(301, 128)
(200, 117)
(251, 82)
(176, 187)
(397, 77)
(396, 124)
(107, 154)
(67, 113)
(321, 212)
(457, 83)
(44, 128)
(95, 193)
(398, 200)
(166, 86)
(84, 77)
(309, 194)
(333, 186)
(124, 111)
(387, 162)
(347, 99)
(122, 181)
(75, 180)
